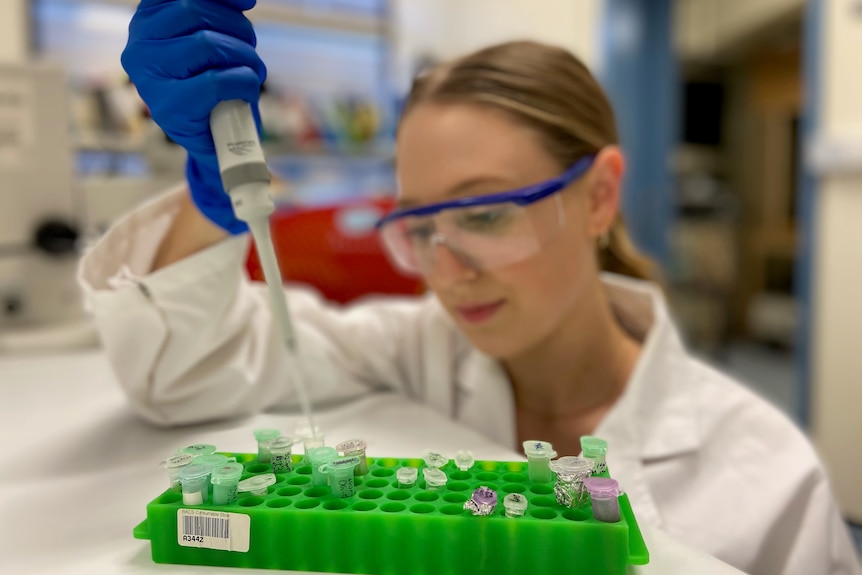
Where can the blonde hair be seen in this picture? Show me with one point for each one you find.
(551, 91)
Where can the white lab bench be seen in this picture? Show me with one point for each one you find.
(78, 468)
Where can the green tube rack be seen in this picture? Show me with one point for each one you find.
(385, 529)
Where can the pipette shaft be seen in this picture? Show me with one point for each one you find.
(247, 181)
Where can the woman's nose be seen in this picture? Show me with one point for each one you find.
(451, 265)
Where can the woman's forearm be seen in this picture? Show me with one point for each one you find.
(190, 233)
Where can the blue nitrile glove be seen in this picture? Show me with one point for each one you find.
(184, 57)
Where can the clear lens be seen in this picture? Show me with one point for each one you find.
(483, 237)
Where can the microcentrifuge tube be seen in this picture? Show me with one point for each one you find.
(198, 449)
(515, 505)
(355, 447)
(483, 501)
(595, 449)
(434, 478)
(434, 460)
(174, 464)
(603, 494)
(225, 482)
(571, 472)
(464, 460)
(256, 484)
(316, 457)
(212, 460)
(407, 476)
(539, 453)
(340, 474)
(264, 436)
(280, 450)
(195, 484)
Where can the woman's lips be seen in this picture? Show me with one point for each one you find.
(479, 313)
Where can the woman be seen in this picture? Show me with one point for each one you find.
(509, 197)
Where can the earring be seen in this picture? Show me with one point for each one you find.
(604, 240)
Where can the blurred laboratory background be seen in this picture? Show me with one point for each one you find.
(741, 120)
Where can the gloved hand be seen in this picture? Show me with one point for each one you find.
(185, 57)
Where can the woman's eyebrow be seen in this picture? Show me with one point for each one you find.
(465, 188)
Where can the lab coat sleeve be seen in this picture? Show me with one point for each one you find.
(195, 341)
(813, 534)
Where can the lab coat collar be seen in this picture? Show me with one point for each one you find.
(658, 409)
(656, 415)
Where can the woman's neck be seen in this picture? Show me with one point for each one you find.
(564, 386)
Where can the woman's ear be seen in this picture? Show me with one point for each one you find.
(605, 189)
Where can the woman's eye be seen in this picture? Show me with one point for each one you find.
(484, 220)
(419, 232)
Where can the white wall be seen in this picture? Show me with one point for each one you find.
(13, 30)
(449, 28)
(837, 341)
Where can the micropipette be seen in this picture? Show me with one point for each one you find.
(247, 181)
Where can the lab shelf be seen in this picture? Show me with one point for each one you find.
(386, 529)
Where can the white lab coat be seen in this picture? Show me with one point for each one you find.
(700, 456)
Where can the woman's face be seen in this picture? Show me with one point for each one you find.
(456, 150)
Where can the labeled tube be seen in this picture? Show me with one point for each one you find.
(595, 449)
(225, 483)
(539, 454)
(281, 451)
(355, 448)
(318, 456)
(174, 464)
(198, 449)
(340, 473)
(195, 485)
(263, 437)
(515, 505)
(604, 493)
(482, 502)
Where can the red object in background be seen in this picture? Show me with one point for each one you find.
(336, 249)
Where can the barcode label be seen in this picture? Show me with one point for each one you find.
(213, 530)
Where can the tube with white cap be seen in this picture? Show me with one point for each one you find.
(247, 181)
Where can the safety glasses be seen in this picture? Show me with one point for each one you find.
(483, 232)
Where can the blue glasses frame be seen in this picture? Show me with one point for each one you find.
(522, 196)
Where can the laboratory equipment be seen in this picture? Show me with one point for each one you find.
(317, 457)
(340, 474)
(604, 493)
(263, 437)
(407, 476)
(195, 484)
(539, 454)
(198, 449)
(280, 450)
(295, 526)
(246, 180)
(595, 449)
(434, 478)
(571, 472)
(355, 447)
(212, 460)
(515, 505)
(41, 213)
(174, 464)
(464, 460)
(483, 501)
(225, 482)
(257, 484)
(434, 460)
